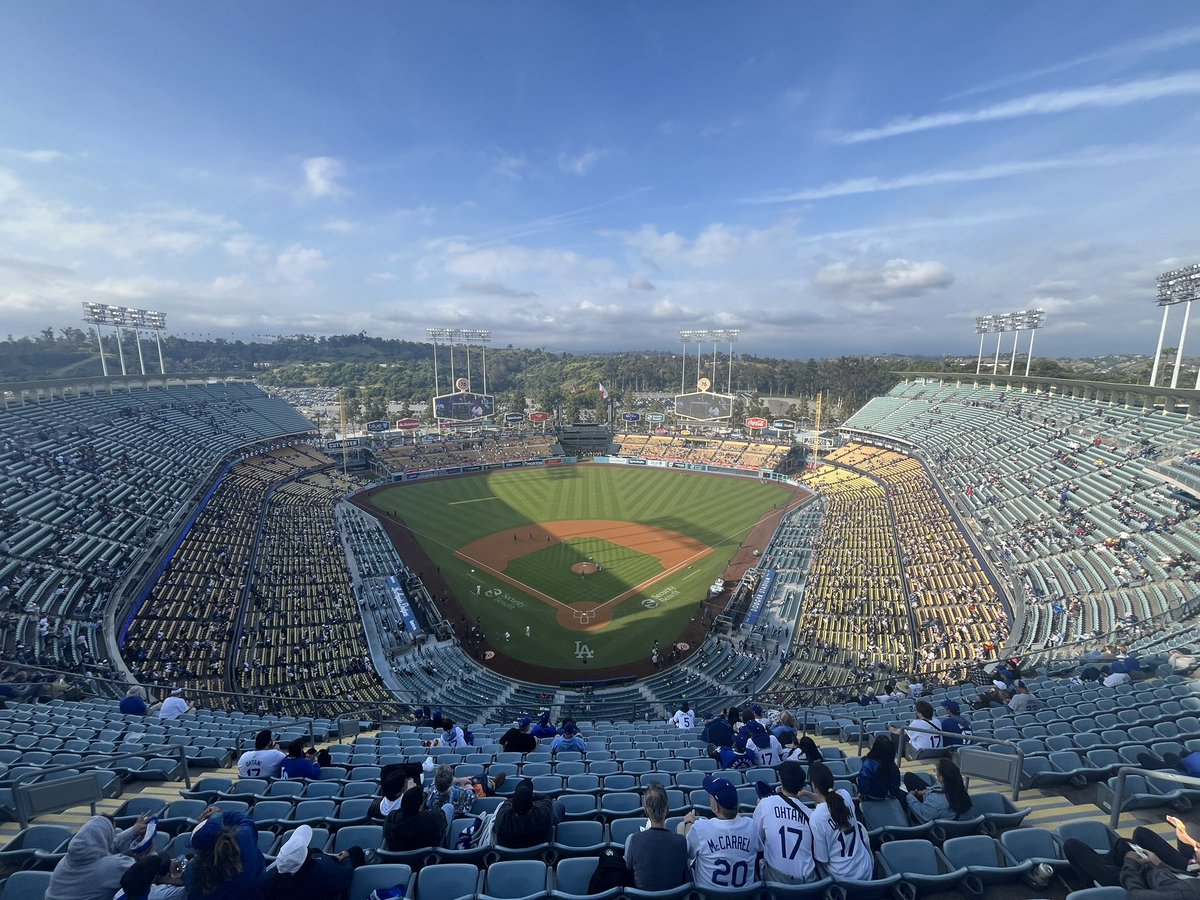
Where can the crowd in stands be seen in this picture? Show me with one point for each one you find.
(458, 451)
(1065, 493)
(712, 451)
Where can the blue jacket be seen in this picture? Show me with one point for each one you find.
(874, 784)
(718, 732)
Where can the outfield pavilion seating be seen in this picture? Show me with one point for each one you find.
(1059, 489)
(89, 482)
(457, 451)
(713, 451)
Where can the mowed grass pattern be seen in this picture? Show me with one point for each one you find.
(549, 570)
(450, 513)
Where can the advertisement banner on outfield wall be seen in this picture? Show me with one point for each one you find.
(408, 424)
(631, 417)
(513, 418)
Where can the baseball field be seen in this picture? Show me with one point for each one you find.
(597, 562)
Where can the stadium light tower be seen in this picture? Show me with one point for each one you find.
(461, 337)
(1178, 286)
(120, 317)
(984, 325)
(96, 314)
(1027, 320)
(716, 335)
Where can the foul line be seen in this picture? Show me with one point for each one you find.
(476, 500)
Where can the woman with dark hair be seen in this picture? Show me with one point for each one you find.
(227, 864)
(948, 799)
(840, 843)
(809, 748)
(879, 777)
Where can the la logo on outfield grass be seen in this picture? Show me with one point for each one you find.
(583, 651)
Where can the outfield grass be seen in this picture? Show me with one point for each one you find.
(447, 514)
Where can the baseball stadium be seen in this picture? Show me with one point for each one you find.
(533, 451)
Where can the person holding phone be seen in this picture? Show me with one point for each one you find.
(1148, 867)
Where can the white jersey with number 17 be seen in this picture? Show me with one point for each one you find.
(723, 852)
(846, 854)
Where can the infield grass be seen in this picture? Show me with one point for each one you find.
(447, 514)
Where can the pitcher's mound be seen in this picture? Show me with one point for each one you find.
(585, 568)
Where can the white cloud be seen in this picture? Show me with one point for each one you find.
(340, 226)
(1167, 40)
(875, 183)
(1113, 94)
(895, 278)
(510, 167)
(37, 156)
(583, 163)
(639, 283)
(296, 262)
(322, 175)
(493, 289)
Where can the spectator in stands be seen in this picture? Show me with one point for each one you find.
(451, 795)
(394, 780)
(657, 858)
(518, 739)
(97, 857)
(265, 760)
(879, 777)
(452, 736)
(868, 697)
(525, 820)
(921, 730)
(739, 756)
(803, 750)
(1022, 701)
(300, 763)
(153, 877)
(570, 739)
(1155, 876)
(174, 706)
(722, 850)
(544, 728)
(840, 843)
(1182, 661)
(954, 722)
(1118, 674)
(783, 723)
(299, 873)
(227, 864)
(948, 799)
(412, 827)
(684, 717)
(718, 732)
(766, 747)
(134, 702)
(789, 860)
(752, 724)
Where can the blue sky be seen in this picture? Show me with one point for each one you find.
(852, 177)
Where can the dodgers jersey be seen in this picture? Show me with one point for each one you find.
(787, 836)
(723, 852)
(846, 854)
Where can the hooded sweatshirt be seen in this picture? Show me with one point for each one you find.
(94, 863)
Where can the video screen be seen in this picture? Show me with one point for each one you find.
(464, 407)
(704, 405)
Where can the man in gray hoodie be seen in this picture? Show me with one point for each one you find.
(95, 861)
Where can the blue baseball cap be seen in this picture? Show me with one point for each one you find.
(952, 707)
(524, 721)
(756, 710)
(722, 791)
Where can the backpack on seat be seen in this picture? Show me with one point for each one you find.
(611, 872)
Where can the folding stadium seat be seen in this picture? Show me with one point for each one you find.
(923, 866)
(532, 770)
(127, 813)
(281, 790)
(321, 790)
(1099, 893)
(369, 837)
(180, 815)
(26, 886)
(997, 810)
(318, 841)
(572, 877)
(312, 812)
(37, 845)
(616, 804)
(373, 877)
(619, 782)
(1036, 845)
(1096, 835)
(272, 815)
(578, 838)
(887, 819)
(985, 858)
(447, 881)
(582, 784)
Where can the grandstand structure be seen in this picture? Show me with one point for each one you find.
(193, 534)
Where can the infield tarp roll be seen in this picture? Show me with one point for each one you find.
(760, 598)
(406, 612)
